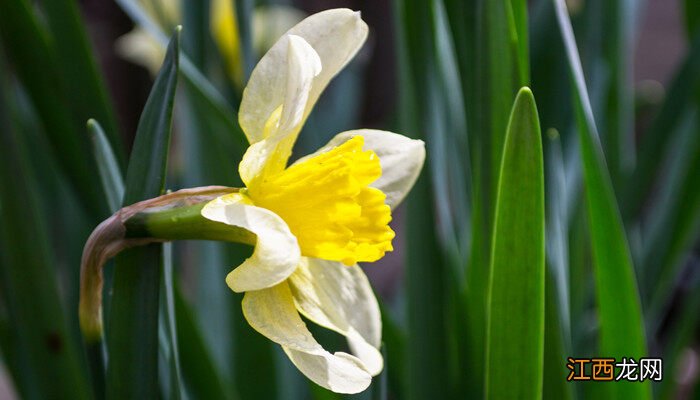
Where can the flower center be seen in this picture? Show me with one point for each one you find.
(327, 203)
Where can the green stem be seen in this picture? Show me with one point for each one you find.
(184, 223)
(173, 216)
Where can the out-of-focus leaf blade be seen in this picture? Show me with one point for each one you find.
(691, 11)
(46, 356)
(202, 378)
(515, 333)
(519, 34)
(133, 329)
(554, 384)
(168, 325)
(84, 88)
(674, 221)
(656, 139)
(34, 61)
(680, 339)
(394, 354)
(230, 137)
(619, 309)
(427, 271)
(557, 248)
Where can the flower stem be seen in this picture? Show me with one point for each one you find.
(173, 216)
(184, 223)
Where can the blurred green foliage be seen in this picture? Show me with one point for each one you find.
(576, 240)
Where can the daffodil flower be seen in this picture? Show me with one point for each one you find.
(310, 222)
(317, 218)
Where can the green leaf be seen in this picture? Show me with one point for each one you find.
(110, 173)
(691, 11)
(656, 139)
(253, 354)
(133, 330)
(619, 310)
(515, 313)
(199, 371)
(46, 362)
(168, 326)
(519, 33)
(35, 64)
(681, 336)
(558, 227)
(501, 75)
(394, 353)
(84, 87)
(556, 350)
(673, 225)
(492, 52)
(229, 135)
(617, 46)
(428, 274)
(113, 185)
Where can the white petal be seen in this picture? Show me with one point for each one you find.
(340, 298)
(303, 65)
(276, 253)
(401, 159)
(336, 35)
(271, 312)
(282, 127)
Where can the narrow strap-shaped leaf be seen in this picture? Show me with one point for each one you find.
(617, 47)
(656, 139)
(44, 356)
(521, 37)
(201, 89)
(426, 268)
(674, 222)
(107, 164)
(515, 333)
(85, 89)
(501, 68)
(168, 325)
(501, 76)
(619, 309)
(133, 330)
(557, 248)
(554, 384)
(199, 371)
(113, 185)
(34, 62)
